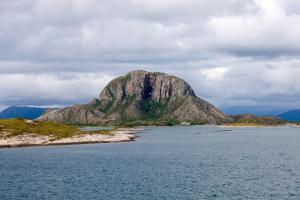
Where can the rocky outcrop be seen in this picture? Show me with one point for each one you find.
(77, 114)
(141, 96)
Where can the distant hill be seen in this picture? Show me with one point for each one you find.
(253, 120)
(253, 110)
(22, 112)
(292, 116)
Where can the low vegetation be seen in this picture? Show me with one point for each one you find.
(252, 120)
(152, 109)
(15, 127)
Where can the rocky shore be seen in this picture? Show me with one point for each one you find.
(29, 139)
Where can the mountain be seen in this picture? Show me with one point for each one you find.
(22, 112)
(141, 98)
(292, 116)
(259, 110)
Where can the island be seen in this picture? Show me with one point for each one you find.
(24, 132)
(139, 98)
(248, 120)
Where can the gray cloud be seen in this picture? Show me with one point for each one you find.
(243, 52)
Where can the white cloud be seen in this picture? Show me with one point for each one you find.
(214, 74)
(36, 88)
(270, 32)
(64, 12)
(231, 51)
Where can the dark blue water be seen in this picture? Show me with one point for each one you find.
(164, 163)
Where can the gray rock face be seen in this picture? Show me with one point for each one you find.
(145, 85)
(141, 96)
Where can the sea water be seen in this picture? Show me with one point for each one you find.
(198, 162)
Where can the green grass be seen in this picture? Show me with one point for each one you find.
(257, 121)
(14, 127)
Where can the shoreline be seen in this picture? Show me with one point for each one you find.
(117, 136)
(257, 126)
(250, 126)
(31, 140)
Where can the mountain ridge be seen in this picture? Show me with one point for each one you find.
(22, 112)
(291, 115)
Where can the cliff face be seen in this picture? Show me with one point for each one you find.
(145, 85)
(140, 96)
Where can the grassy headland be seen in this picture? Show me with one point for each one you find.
(24, 133)
(15, 127)
(252, 120)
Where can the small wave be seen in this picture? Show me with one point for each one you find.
(222, 130)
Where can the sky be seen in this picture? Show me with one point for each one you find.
(234, 53)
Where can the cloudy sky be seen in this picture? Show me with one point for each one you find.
(232, 52)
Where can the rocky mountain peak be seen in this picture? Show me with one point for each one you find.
(143, 97)
(145, 85)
